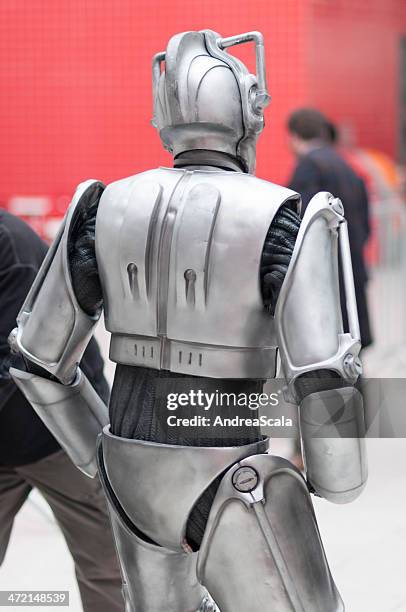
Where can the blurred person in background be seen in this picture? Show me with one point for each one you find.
(320, 167)
(30, 457)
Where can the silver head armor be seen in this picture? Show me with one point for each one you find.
(206, 98)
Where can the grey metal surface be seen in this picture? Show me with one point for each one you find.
(308, 315)
(154, 578)
(262, 549)
(333, 430)
(175, 247)
(74, 414)
(52, 329)
(189, 111)
(158, 485)
(348, 277)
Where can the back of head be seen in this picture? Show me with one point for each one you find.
(309, 124)
(206, 98)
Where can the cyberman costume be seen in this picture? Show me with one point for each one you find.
(204, 272)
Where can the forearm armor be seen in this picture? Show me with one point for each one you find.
(73, 413)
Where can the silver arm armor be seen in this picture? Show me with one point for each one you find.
(311, 338)
(53, 332)
(332, 429)
(73, 413)
(308, 313)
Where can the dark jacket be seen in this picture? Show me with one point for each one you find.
(323, 169)
(23, 437)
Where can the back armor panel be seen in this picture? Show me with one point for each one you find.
(179, 254)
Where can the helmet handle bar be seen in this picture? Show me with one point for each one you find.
(262, 96)
(156, 73)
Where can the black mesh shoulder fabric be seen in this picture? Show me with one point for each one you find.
(277, 253)
(82, 253)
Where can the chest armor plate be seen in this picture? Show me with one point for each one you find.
(179, 254)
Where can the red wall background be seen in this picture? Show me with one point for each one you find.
(76, 81)
(354, 67)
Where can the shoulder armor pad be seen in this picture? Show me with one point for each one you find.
(53, 331)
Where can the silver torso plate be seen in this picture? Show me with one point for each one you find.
(179, 254)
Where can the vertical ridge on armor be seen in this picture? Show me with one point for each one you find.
(164, 251)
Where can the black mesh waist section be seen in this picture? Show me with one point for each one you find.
(138, 410)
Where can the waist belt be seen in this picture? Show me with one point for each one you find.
(195, 359)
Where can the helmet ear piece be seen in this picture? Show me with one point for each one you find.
(259, 100)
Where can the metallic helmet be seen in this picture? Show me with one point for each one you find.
(205, 98)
